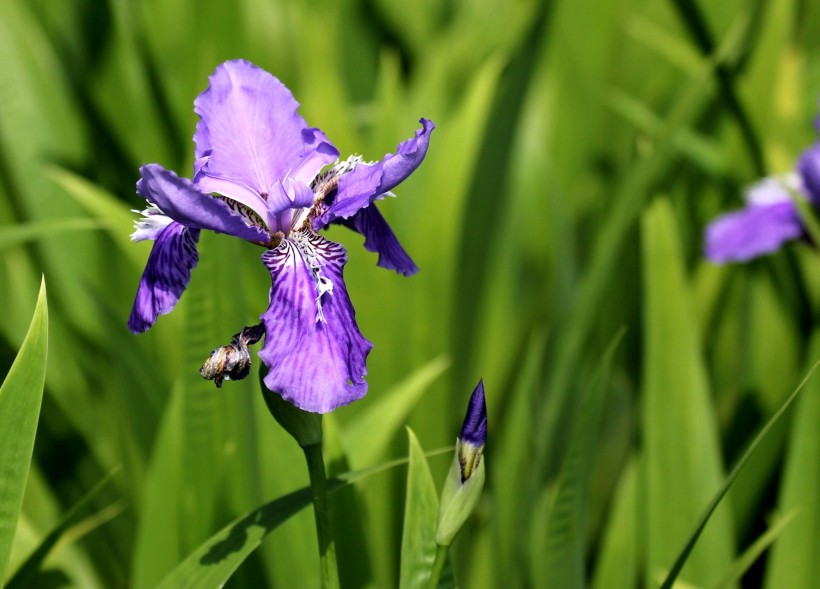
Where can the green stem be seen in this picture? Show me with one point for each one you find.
(324, 531)
(438, 565)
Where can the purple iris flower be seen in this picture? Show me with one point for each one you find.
(771, 217)
(261, 174)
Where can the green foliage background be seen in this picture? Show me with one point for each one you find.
(581, 146)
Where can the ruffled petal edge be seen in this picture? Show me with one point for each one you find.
(315, 354)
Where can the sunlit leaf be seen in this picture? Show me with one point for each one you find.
(20, 398)
(418, 541)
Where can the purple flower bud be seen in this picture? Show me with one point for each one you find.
(473, 433)
(474, 429)
(464, 482)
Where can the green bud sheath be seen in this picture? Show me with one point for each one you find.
(458, 500)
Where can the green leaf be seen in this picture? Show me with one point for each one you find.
(628, 198)
(157, 544)
(679, 562)
(213, 563)
(20, 234)
(418, 541)
(617, 564)
(103, 206)
(562, 564)
(753, 552)
(368, 436)
(510, 471)
(33, 564)
(677, 413)
(20, 398)
(794, 559)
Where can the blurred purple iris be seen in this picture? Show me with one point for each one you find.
(771, 217)
(258, 176)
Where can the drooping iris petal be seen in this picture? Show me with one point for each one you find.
(251, 135)
(751, 232)
(179, 199)
(380, 239)
(313, 348)
(809, 167)
(365, 183)
(166, 275)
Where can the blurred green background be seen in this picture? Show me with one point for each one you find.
(581, 147)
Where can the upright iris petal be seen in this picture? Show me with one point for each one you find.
(250, 139)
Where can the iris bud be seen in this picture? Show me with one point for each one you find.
(464, 483)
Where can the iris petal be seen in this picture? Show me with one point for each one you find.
(313, 348)
(751, 232)
(809, 167)
(179, 199)
(250, 132)
(365, 183)
(380, 239)
(166, 275)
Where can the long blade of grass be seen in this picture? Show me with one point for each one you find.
(695, 21)
(690, 544)
(753, 552)
(563, 563)
(20, 399)
(26, 232)
(366, 437)
(418, 541)
(627, 202)
(677, 412)
(617, 563)
(793, 560)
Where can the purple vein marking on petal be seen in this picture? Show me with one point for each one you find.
(316, 365)
(235, 191)
(179, 199)
(166, 275)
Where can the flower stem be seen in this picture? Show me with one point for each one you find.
(324, 531)
(438, 565)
